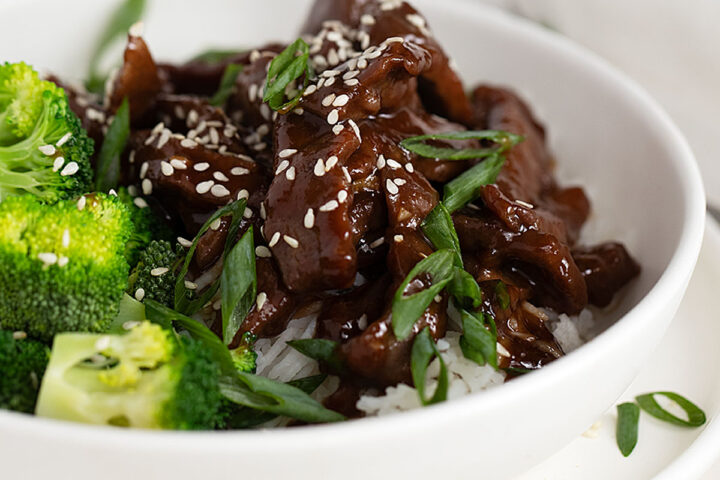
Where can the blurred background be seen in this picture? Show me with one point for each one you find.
(670, 47)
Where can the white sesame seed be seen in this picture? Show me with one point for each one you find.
(265, 111)
(328, 100)
(333, 117)
(147, 186)
(362, 63)
(184, 242)
(329, 206)
(438, 298)
(262, 251)
(112, 192)
(290, 173)
(391, 187)
(48, 258)
(330, 73)
(525, 204)
(201, 167)
(19, 335)
(352, 82)
(131, 156)
(367, 19)
(204, 187)
(263, 214)
(187, 143)
(247, 213)
(219, 190)
(416, 20)
(381, 162)
(140, 202)
(340, 100)
(274, 240)
(377, 243)
(400, 182)
(214, 136)
(260, 300)
(291, 241)
(178, 164)
(66, 238)
(398, 238)
(342, 196)
(158, 128)
(362, 322)
(319, 168)
(281, 167)
(166, 168)
(81, 203)
(70, 169)
(409, 167)
(329, 81)
(332, 57)
(190, 285)
(350, 74)
(309, 90)
(243, 194)
(309, 220)
(252, 92)
(390, 40)
(287, 152)
(143, 169)
(347, 174)
(63, 140)
(62, 261)
(338, 128)
(331, 162)
(58, 163)
(356, 130)
(159, 271)
(215, 225)
(220, 177)
(47, 150)
(139, 294)
(259, 146)
(393, 164)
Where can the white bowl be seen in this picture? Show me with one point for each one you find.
(607, 134)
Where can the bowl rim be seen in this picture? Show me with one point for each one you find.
(677, 273)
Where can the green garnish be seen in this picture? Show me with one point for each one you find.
(108, 163)
(502, 295)
(439, 228)
(626, 430)
(227, 84)
(467, 186)
(503, 140)
(238, 285)
(479, 339)
(423, 351)
(127, 13)
(696, 417)
(285, 69)
(406, 309)
(320, 349)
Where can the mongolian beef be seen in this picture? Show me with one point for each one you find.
(345, 181)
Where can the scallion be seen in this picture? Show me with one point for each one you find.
(423, 351)
(108, 162)
(285, 69)
(696, 417)
(503, 142)
(238, 285)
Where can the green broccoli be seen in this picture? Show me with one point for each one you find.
(244, 355)
(146, 378)
(22, 363)
(43, 148)
(62, 266)
(155, 273)
(148, 224)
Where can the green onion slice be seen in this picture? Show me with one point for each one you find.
(503, 140)
(479, 339)
(626, 430)
(227, 84)
(238, 285)
(423, 351)
(284, 69)
(696, 417)
(467, 186)
(406, 309)
(502, 295)
(108, 163)
(322, 350)
(465, 289)
(439, 228)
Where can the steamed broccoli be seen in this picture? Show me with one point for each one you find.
(148, 224)
(22, 363)
(62, 266)
(43, 148)
(244, 356)
(155, 273)
(146, 378)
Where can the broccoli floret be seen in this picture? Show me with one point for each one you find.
(62, 267)
(145, 378)
(43, 148)
(148, 224)
(22, 363)
(150, 275)
(244, 355)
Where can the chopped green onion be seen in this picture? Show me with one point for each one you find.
(238, 285)
(320, 349)
(127, 13)
(502, 295)
(108, 163)
(696, 417)
(182, 304)
(467, 186)
(227, 84)
(478, 341)
(285, 69)
(406, 309)
(213, 56)
(503, 140)
(439, 228)
(626, 430)
(465, 289)
(423, 351)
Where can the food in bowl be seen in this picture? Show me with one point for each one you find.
(341, 209)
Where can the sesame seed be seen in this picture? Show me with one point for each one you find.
(309, 220)
(219, 190)
(330, 73)
(48, 258)
(239, 171)
(187, 143)
(166, 168)
(136, 30)
(19, 335)
(190, 285)
(158, 128)
(391, 187)
(164, 137)
(81, 203)
(139, 294)
(47, 150)
(63, 140)
(329, 81)
(66, 238)
(416, 20)
(247, 213)
(204, 187)
(259, 146)
(184, 242)
(340, 101)
(352, 64)
(147, 186)
(398, 238)
(291, 241)
(143, 169)
(331, 162)
(58, 163)
(178, 164)
(260, 300)
(350, 74)
(62, 261)
(333, 117)
(362, 322)
(112, 192)
(140, 202)
(274, 240)
(525, 204)
(201, 127)
(262, 251)
(70, 169)
(281, 167)
(381, 162)
(290, 173)
(131, 156)
(342, 196)
(438, 298)
(352, 82)
(400, 182)
(347, 174)
(309, 90)
(201, 167)
(362, 64)
(367, 19)
(319, 168)
(332, 57)
(329, 206)
(390, 40)
(287, 152)
(220, 177)
(263, 214)
(377, 243)
(243, 194)
(338, 128)
(158, 272)
(214, 136)
(409, 167)
(356, 130)
(254, 55)
(393, 164)
(215, 225)
(265, 111)
(328, 100)
(252, 92)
